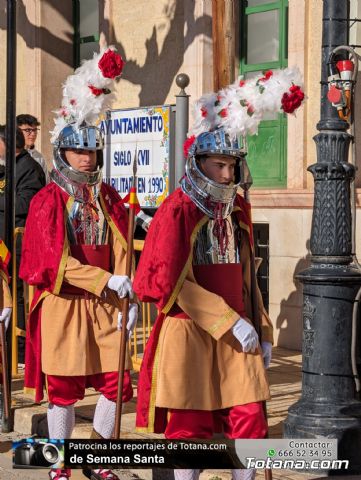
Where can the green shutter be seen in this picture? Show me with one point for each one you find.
(267, 154)
(267, 151)
(83, 46)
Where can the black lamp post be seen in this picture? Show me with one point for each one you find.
(7, 425)
(328, 406)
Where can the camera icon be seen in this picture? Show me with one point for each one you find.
(36, 453)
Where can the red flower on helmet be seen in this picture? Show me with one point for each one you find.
(187, 145)
(249, 106)
(292, 99)
(98, 91)
(204, 112)
(223, 113)
(95, 91)
(267, 75)
(111, 64)
(218, 100)
(250, 109)
(242, 83)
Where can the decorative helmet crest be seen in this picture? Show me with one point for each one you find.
(86, 95)
(221, 122)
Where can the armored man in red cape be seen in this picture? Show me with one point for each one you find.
(204, 367)
(74, 252)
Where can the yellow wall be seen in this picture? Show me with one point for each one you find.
(158, 40)
(171, 37)
(44, 59)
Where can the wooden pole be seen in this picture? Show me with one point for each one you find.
(224, 42)
(125, 310)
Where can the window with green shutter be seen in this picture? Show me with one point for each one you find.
(86, 29)
(263, 46)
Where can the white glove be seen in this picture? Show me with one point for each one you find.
(122, 285)
(267, 353)
(132, 318)
(246, 335)
(5, 315)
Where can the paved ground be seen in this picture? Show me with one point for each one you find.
(285, 380)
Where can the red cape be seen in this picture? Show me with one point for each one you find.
(162, 269)
(44, 256)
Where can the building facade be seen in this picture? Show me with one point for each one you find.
(158, 40)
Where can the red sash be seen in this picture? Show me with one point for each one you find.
(223, 279)
(94, 255)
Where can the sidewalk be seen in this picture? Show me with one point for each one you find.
(285, 381)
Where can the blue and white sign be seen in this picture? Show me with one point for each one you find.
(147, 131)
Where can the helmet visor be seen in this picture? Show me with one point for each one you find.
(84, 138)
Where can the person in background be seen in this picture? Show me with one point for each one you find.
(29, 125)
(29, 180)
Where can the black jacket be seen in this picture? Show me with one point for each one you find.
(30, 178)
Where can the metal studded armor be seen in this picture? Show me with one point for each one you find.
(86, 223)
(207, 194)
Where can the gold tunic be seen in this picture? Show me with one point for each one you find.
(219, 375)
(79, 335)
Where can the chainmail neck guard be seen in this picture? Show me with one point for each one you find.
(79, 185)
(212, 198)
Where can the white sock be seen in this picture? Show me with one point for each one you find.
(104, 417)
(244, 474)
(186, 474)
(61, 421)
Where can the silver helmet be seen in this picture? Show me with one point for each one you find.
(207, 194)
(68, 178)
(86, 137)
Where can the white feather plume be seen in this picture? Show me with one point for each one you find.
(204, 114)
(240, 107)
(79, 104)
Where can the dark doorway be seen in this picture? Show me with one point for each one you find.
(261, 242)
